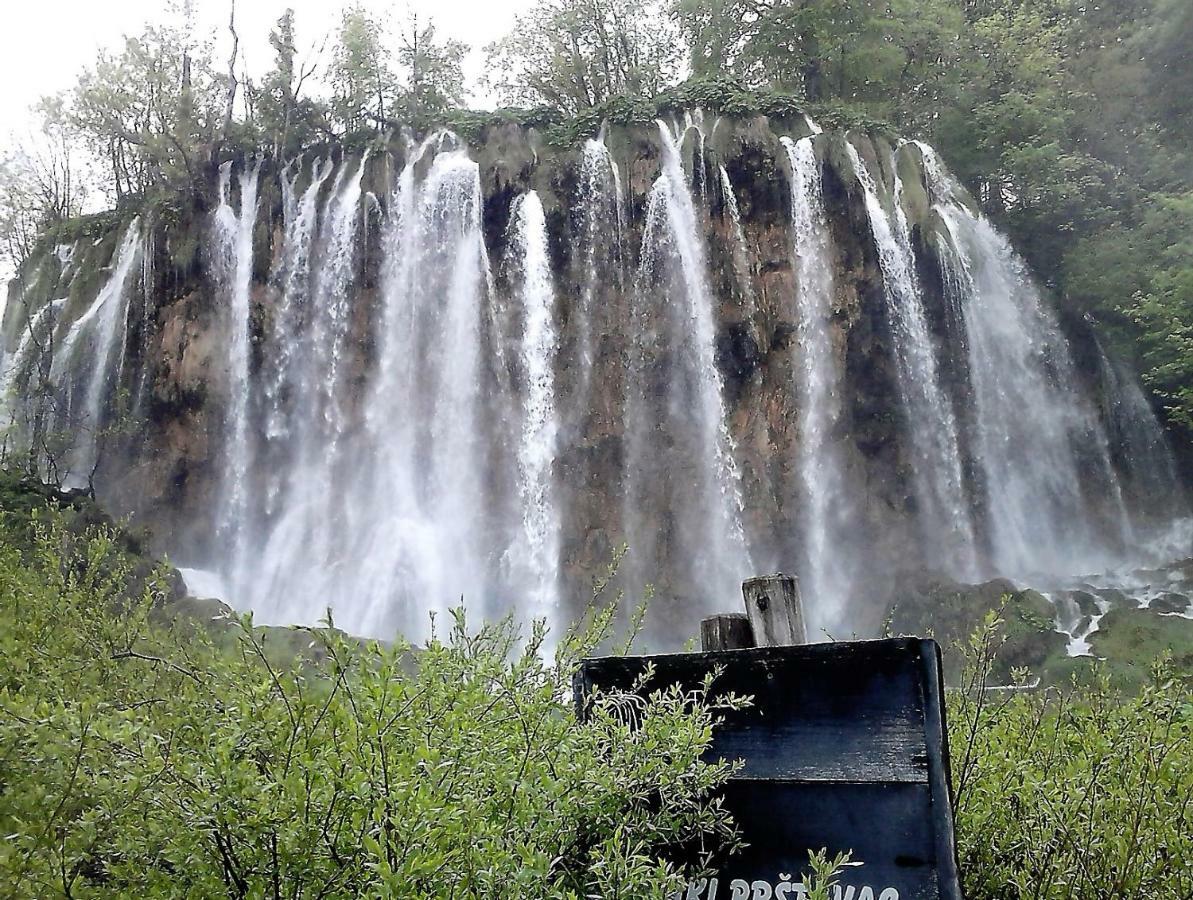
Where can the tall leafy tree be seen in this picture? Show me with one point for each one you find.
(576, 54)
(149, 111)
(361, 72)
(434, 70)
(285, 115)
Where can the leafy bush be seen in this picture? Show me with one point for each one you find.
(138, 763)
(1076, 793)
(140, 760)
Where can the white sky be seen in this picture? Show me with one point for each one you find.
(44, 43)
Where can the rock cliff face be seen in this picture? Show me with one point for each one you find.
(380, 381)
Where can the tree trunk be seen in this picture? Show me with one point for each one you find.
(232, 82)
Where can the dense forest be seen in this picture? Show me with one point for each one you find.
(1070, 121)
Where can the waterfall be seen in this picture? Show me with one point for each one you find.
(741, 249)
(539, 547)
(293, 277)
(147, 322)
(18, 367)
(297, 561)
(943, 507)
(386, 517)
(679, 440)
(824, 504)
(395, 427)
(1032, 426)
(693, 122)
(88, 361)
(233, 266)
(1140, 449)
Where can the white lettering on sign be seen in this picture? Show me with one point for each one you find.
(784, 889)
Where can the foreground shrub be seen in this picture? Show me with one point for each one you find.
(1079, 793)
(138, 763)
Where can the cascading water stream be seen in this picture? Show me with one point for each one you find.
(233, 240)
(301, 559)
(537, 553)
(1146, 461)
(408, 474)
(741, 249)
(706, 497)
(94, 347)
(943, 507)
(1032, 428)
(36, 340)
(825, 501)
(293, 277)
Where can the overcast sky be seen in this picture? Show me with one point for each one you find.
(44, 43)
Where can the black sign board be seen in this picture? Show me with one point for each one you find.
(843, 748)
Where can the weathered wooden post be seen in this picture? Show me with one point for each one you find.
(775, 610)
(774, 617)
(727, 631)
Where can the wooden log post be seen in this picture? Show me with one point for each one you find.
(775, 610)
(727, 631)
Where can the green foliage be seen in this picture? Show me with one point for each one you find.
(146, 762)
(577, 54)
(361, 72)
(283, 115)
(1071, 793)
(436, 73)
(206, 759)
(147, 111)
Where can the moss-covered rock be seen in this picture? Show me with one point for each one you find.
(951, 611)
(1129, 640)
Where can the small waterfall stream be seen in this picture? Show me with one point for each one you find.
(825, 502)
(938, 474)
(600, 231)
(88, 361)
(538, 557)
(1032, 426)
(676, 327)
(233, 268)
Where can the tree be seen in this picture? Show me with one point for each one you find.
(856, 51)
(434, 71)
(361, 73)
(576, 54)
(149, 111)
(41, 184)
(285, 116)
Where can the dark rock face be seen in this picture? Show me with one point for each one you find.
(167, 470)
